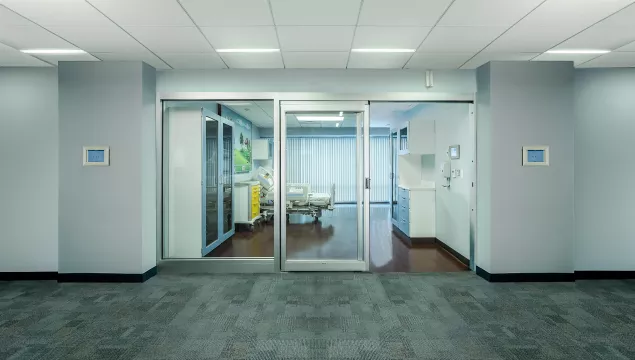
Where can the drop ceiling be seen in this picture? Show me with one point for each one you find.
(447, 34)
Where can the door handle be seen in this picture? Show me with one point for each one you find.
(367, 183)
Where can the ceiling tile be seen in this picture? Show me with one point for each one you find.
(253, 61)
(485, 57)
(171, 39)
(251, 37)
(12, 57)
(576, 58)
(554, 22)
(98, 39)
(402, 12)
(58, 12)
(143, 12)
(315, 38)
(615, 59)
(460, 38)
(315, 60)
(193, 61)
(229, 12)
(145, 56)
(311, 12)
(628, 47)
(31, 37)
(487, 12)
(378, 60)
(380, 37)
(614, 32)
(8, 17)
(434, 61)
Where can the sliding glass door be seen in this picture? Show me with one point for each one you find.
(218, 182)
(321, 231)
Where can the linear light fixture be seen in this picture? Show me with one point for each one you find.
(247, 50)
(384, 50)
(237, 103)
(320, 118)
(580, 52)
(53, 51)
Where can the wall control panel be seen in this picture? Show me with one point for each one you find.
(96, 156)
(537, 155)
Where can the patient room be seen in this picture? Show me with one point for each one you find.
(418, 217)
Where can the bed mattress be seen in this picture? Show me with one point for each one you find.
(319, 199)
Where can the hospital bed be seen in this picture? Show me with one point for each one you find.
(300, 199)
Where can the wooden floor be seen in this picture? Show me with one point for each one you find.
(335, 237)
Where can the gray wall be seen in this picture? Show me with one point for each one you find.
(105, 224)
(530, 208)
(333, 81)
(604, 192)
(28, 169)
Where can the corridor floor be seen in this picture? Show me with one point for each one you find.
(318, 316)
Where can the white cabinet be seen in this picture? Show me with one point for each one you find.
(260, 149)
(417, 137)
(416, 212)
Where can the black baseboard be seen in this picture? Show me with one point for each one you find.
(604, 275)
(525, 277)
(20, 276)
(109, 278)
(454, 253)
(412, 242)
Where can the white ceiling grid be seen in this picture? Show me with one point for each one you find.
(447, 34)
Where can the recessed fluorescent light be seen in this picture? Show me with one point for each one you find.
(384, 50)
(320, 118)
(247, 50)
(53, 51)
(578, 51)
(237, 103)
(341, 113)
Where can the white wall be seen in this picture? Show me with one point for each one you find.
(334, 81)
(604, 171)
(531, 208)
(453, 203)
(29, 169)
(104, 220)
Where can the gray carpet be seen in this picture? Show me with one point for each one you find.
(318, 316)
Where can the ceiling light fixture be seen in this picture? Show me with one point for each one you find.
(580, 52)
(237, 103)
(337, 125)
(384, 50)
(320, 118)
(53, 51)
(341, 113)
(247, 50)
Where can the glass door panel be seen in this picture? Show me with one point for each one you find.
(228, 179)
(211, 163)
(324, 179)
(394, 145)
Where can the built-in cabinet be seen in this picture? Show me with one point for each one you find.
(417, 137)
(416, 217)
(413, 192)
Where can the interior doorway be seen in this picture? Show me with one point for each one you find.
(425, 224)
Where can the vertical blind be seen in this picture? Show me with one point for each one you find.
(323, 161)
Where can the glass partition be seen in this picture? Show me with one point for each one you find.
(218, 179)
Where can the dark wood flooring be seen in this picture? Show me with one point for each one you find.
(334, 237)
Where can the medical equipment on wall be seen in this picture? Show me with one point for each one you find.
(299, 198)
(446, 171)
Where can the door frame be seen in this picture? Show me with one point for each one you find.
(362, 178)
(262, 265)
